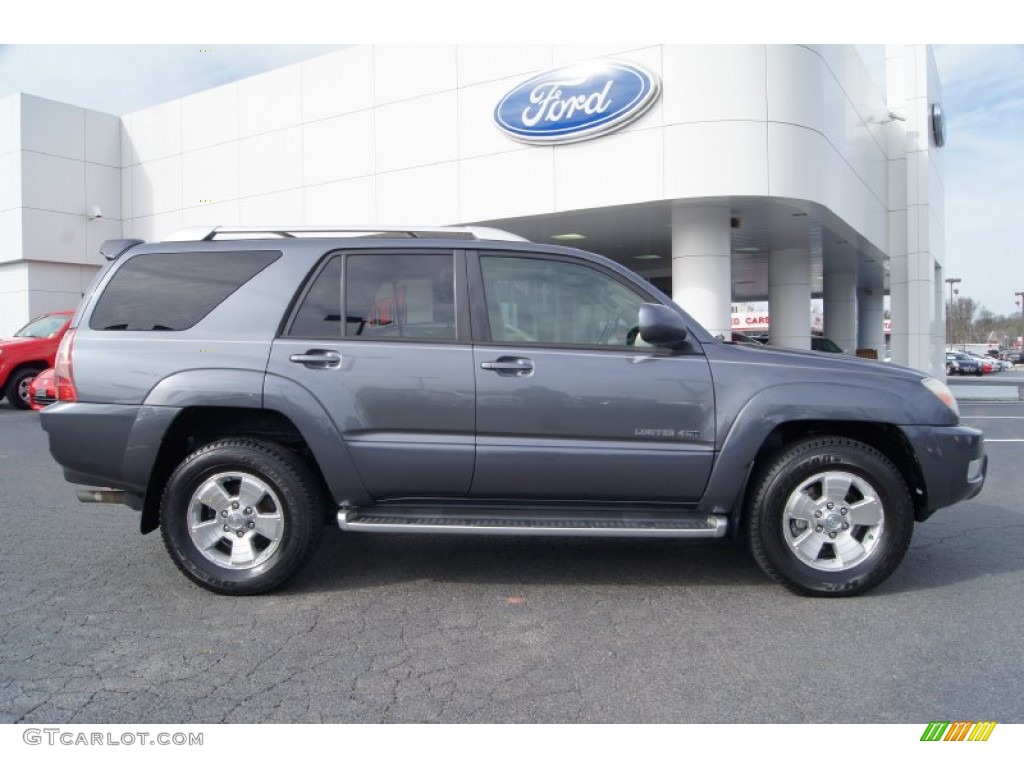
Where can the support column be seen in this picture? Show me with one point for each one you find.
(789, 298)
(871, 318)
(840, 299)
(701, 265)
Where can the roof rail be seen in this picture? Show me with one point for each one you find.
(245, 233)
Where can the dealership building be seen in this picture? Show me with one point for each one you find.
(725, 174)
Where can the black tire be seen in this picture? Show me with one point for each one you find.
(17, 386)
(799, 533)
(241, 516)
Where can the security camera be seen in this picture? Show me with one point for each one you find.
(95, 213)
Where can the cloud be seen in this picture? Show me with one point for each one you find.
(984, 169)
(123, 78)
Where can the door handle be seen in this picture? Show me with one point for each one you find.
(509, 366)
(318, 358)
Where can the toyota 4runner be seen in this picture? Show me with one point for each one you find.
(243, 387)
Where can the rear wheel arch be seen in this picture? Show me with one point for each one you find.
(196, 427)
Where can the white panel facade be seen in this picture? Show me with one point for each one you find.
(102, 191)
(623, 168)
(342, 202)
(486, 63)
(507, 185)
(405, 134)
(155, 133)
(403, 72)
(337, 83)
(269, 209)
(210, 117)
(156, 186)
(53, 183)
(430, 193)
(10, 124)
(50, 236)
(102, 139)
(270, 162)
(270, 102)
(416, 132)
(14, 307)
(713, 82)
(209, 175)
(716, 159)
(10, 236)
(338, 148)
(10, 181)
(52, 128)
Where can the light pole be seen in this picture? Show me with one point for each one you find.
(1020, 295)
(952, 328)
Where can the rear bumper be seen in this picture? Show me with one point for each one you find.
(106, 445)
(953, 464)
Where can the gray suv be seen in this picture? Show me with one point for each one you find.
(241, 388)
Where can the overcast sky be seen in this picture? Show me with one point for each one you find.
(983, 95)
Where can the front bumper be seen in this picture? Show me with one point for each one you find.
(953, 464)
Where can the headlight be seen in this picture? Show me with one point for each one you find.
(942, 392)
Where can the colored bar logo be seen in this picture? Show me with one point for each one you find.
(960, 730)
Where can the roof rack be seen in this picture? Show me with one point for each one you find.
(246, 233)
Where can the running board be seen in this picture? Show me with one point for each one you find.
(688, 526)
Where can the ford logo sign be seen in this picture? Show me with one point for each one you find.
(576, 102)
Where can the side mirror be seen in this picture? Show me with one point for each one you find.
(661, 326)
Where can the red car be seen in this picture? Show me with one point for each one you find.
(30, 351)
(42, 391)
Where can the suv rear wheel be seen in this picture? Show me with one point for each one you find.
(240, 516)
(829, 516)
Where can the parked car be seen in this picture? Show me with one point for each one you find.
(742, 338)
(42, 391)
(987, 364)
(962, 364)
(31, 350)
(241, 393)
(825, 344)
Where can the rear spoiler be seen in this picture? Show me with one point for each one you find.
(112, 249)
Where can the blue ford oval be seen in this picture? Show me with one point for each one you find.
(576, 102)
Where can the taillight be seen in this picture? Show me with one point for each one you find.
(63, 373)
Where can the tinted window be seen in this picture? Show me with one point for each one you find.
(557, 302)
(406, 296)
(319, 315)
(173, 291)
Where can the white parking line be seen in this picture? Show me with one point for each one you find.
(1004, 439)
(992, 417)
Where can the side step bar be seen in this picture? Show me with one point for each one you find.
(690, 526)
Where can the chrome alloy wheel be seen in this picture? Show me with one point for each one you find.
(235, 520)
(833, 521)
(23, 387)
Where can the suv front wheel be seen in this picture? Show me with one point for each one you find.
(240, 516)
(829, 516)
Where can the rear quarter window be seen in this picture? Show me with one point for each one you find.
(174, 291)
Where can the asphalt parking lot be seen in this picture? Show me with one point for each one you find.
(97, 625)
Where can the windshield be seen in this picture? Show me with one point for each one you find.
(42, 327)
